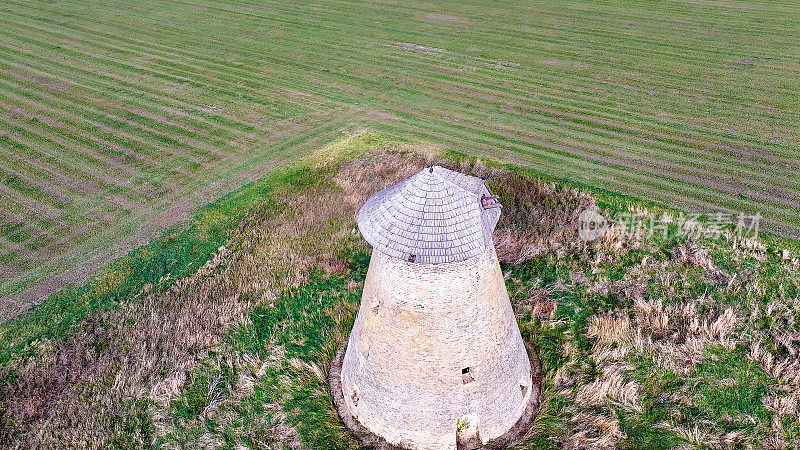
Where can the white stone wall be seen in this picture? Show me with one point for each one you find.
(418, 327)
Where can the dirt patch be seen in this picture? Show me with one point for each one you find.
(294, 93)
(745, 62)
(380, 116)
(83, 186)
(418, 48)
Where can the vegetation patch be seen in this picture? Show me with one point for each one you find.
(119, 117)
(656, 342)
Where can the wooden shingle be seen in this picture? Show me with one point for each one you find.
(435, 216)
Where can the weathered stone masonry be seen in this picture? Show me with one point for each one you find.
(435, 350)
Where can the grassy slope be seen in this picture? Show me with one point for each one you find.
(646, 345)
(112, 111)
(158, 265)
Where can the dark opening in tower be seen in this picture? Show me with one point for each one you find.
(467, 375)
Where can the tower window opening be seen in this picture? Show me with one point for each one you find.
(524, 390)
(354, 397)
(467, 375)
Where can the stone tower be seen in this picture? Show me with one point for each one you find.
(435, 350)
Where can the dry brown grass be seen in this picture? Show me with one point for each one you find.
(674, 332)
(538, 217)
(593, 431)
(698, 256)
(75, 394)
(674, 335)
(79, 392)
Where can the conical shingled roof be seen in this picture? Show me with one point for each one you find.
(435, 216)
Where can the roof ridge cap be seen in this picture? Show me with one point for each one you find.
(421, 218)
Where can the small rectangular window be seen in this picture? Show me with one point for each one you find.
(467, 375)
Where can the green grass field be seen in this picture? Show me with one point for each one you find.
(117, 119)
(221, 335)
